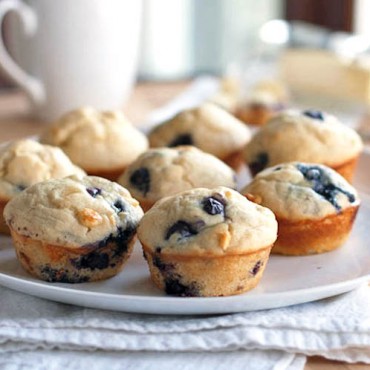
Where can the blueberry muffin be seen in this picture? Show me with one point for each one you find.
(161, 172)
(208, 127)
(314, 205)
(207, 242)
(308, 136)
(102, 143)
(263, 102)
(73, 230)
(26, 162)
(258, 109)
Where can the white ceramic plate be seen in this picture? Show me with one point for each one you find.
(286, 281)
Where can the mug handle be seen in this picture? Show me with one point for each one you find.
(33, 87)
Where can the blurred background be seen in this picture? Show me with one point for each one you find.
(320, 50)
(185, 38)
(315, 48)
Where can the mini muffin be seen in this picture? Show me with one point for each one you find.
(102, 143)
(264, 101)
(258, 109)
(314, 205)
(208, 127)
(26, 162)
(207, 242)
(228, 94)
(73, 230)
(309, 136)
(161, 172)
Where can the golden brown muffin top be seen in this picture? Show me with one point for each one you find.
(299, 191)
(309, 136)
(208, 127)
(27, 162)
(165, 171)
(207, 222)
(74, 211)
(97, 140)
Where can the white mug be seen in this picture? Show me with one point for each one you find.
(72, 52)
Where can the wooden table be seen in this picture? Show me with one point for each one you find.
(15, 123)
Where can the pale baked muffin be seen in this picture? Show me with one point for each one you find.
(207, 242)
(208, 127)
(161, 172)
(73, 230)
(228, 94)
(308, 136)
(102, 143)
(258, 109)
(314, 205)
(263, 101)
(26, 162)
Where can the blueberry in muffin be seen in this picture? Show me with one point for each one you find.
(161, 172)
(314, 205)
(27, 162)
(209, 128)
(307, 136)
(73, 230)
(207, 242)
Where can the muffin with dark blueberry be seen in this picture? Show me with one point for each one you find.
(308, 136)
(27, 162)
(102, 143)
(208, 127)
(73, 230)
(161, 172)
(314, 205)
(207, 242)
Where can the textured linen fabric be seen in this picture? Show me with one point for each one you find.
(336, 328)
(240, 360)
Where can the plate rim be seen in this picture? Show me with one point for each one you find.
(285, 299)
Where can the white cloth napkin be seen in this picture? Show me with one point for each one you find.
(336, 328)
(57, 360)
